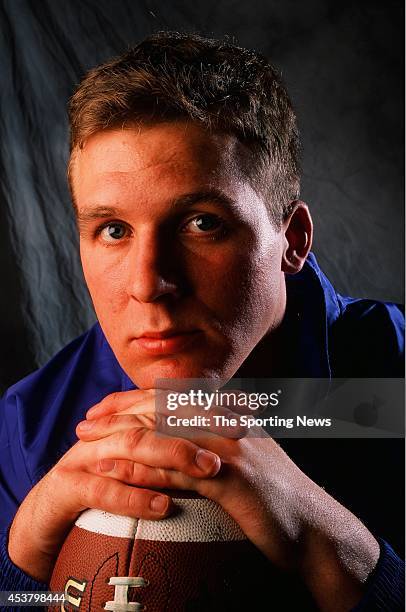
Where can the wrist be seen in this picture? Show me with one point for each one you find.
(338, 554)
(27, 555)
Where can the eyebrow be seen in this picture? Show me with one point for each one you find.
(189, 199)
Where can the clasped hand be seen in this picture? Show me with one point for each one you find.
(122, 465)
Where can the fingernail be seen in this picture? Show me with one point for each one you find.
(207, 461)
(107, 465)
(86, 425)
(159, 504)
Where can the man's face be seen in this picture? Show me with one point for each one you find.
(181, 260)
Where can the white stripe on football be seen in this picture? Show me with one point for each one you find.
(197, 520)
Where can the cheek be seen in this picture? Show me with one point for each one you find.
(106, 279)
(238, 283)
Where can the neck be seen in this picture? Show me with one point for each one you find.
(263, 360)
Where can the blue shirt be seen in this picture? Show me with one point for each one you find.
(327, 335)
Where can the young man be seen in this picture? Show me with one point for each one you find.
(196, 251)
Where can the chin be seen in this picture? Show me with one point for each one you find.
(146, 376)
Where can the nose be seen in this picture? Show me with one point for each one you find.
(152, 273)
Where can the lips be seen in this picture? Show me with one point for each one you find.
(166, 342)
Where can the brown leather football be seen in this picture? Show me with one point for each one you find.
(197, 559)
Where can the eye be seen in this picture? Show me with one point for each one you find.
(204, 223)
(112, 232)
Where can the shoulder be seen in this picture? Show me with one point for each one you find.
(49, 379)
(344, 336)
(367, 338)
(41, 411)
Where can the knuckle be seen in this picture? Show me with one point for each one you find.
(145, 420)
(137, 474)
(140, 475)
(135, 501)
(132, 438)
(151, 394)
(95, 491)
(133, 473)
(125, 471)
(164, 477)
(115, 397)
(112, 419)
(58, 475)
(179, 450)
(111, 399)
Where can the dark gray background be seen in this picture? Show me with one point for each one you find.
(343, 63)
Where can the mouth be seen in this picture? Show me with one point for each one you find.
(166, 342)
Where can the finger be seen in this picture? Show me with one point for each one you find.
(149, 448)
(121, 400)
(109, 494)
(145, 400)
(141, 475)
(102, 427)
(188, 422)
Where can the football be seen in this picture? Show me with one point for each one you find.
(197, 559)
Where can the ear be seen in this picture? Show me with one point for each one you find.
(298, 229)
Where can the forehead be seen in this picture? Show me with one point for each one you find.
(165, 153)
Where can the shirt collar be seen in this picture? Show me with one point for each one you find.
(311, 309)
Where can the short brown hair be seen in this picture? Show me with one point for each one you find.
(170, 76)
